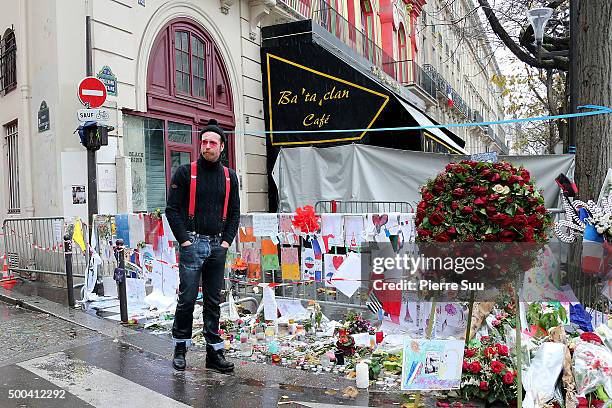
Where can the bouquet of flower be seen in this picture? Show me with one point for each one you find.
(476, 201)
(488, 372)
(355, 323)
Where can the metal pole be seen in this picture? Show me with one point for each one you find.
(573, 71)
(92, 185)
(121, 289)
(69, 279)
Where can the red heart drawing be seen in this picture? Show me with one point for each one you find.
(379, 221)
(337, 261)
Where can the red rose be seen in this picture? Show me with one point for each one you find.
(514, 179)
(427, 196)
(502, 349)
(506, 222)
(469, 180)
(467, 209)
(471, 163)
(423, 232)
(508, 378)
(454, 205)
(497, 366)
(519, 221)
(525, 175)
(436, 218)
(452, 230)
(491, 210)
(493, 197)
(531, 188)
(475, 219)
(489, 352)
(484, 386)
(484, 339)
(490, 237)
(449, 166)
(438, 188)
(442, 237)
(458, 192)
(528, 235)
(485, 172)
(509, 200)
(535, 221)
(506, 236)
(541, 209)
(480, 201)
(422, 206)
(466, 365)
(479, 190)
(520, 210)
(475, 367)
(495, 177)
(498, 218)
(469, 352)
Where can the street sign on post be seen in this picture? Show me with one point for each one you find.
(99, 115)
(92, 92)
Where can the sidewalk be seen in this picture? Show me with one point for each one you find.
(317, 389)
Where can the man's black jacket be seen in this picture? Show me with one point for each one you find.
(210, 196)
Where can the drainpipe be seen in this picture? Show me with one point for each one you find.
(24, 124)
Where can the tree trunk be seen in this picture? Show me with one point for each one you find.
(594, 76)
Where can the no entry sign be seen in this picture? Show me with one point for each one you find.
(92, 92)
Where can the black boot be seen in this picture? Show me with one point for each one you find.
(215, 359)
(178, 362)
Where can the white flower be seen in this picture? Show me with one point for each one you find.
(600, 230)
(498, 188)
(610, 231)
(506, 190)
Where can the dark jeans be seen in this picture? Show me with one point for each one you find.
(205, 260)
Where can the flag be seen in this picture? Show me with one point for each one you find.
(592, 246)
(449, 95)
(374, 304)
(77, 234)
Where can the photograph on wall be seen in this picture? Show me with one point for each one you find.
(78, 195)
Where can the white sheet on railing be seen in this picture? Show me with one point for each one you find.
(305, 175)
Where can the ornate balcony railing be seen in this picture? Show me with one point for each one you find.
(357, 40)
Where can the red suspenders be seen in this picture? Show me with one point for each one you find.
(192, 190)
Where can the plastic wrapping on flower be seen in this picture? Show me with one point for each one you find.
(592, 367)
(541, 388)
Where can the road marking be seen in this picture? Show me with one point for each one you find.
(92, 92)
(94, 385)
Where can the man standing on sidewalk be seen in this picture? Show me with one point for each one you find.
(203, 211)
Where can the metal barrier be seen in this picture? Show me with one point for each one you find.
(365, 207)
(316, 290)
(35, 245)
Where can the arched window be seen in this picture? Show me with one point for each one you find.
(402, 55)
(367, 28)
(8, 62)
(187, 85)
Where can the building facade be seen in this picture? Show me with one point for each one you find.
(168, 66)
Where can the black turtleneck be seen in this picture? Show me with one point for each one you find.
(210, 196)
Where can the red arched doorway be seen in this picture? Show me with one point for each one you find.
(187, 84)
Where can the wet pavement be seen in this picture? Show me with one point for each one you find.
(43, 353)
(100, 363)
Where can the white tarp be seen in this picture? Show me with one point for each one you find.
(305, 175)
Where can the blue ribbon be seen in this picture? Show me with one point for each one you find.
(597, 110)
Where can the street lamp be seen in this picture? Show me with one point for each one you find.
(538, 18)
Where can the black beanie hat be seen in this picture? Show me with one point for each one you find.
(213, 126)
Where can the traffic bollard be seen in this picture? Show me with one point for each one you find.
(69, 277)
(120, 279)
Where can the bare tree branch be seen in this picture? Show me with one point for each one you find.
(503, 35)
